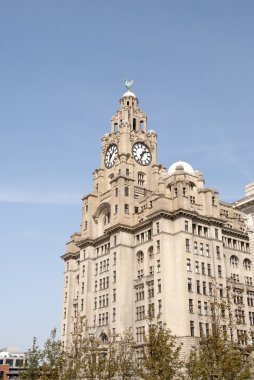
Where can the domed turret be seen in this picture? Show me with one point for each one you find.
(181, 165)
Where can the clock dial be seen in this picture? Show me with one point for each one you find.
(141, 153)
(111, 156)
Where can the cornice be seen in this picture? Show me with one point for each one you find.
(69, 255)
(235, 233)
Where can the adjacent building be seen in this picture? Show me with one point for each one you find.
(11, 364)
(153, 240)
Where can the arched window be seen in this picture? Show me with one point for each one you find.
(106, 219)
(140, 257)
(150, 252)
(247, 264)
(234, 261)
(104, 338)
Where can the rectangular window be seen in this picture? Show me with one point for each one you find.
(198, 286)
(218, 252)
(203, 268)
(195, 246)
(141, 179)
(158, 246)
(187, 245)
(196, 267)
(199, 308)
(158, 266)
(159, 306)
(157, 227)
(188, 262)
(216, 233)
(219, 271)
(192, 332)
(114, 276)
(206, 308)
(204, 287)
(159, 285)
(207, 250)
(210, 286)
(114, 314)
(116, 209)
(209, 272)
(189, 285)
(191, 306)
(192, 200)
(126, 191)
(201, 249)
(150, 289)
(126, 209)
(186, 226)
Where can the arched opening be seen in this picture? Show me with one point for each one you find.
(234, 261)
(104, 338)
(134, 124)
(247, 264)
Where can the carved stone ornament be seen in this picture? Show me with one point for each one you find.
(249, 223)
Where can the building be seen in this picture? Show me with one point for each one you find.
(11, 363)
(246, 205)
(152, 239)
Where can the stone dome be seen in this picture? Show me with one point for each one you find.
(180, 165)
(129, 93)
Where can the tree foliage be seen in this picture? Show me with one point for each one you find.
(219, 355)
(160, 357)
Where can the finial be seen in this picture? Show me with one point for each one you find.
(129, 83)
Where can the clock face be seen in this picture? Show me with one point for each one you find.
(111, 156)
(141, 153)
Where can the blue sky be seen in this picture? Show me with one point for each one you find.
(62, 69)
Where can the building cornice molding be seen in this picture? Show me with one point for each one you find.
(235, 233)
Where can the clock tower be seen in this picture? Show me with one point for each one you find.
(150, 239)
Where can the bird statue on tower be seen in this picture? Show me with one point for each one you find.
(129, 83)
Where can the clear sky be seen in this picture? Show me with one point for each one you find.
(62, 68)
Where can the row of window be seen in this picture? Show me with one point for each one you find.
(201, 269)
(236, 244)
(103, 318)
(201, 287)
(235, 278)
(199, 307)
(104, 300)
(143, 236)
(103, 265)
(103, 250)
(140, 311)
(140, 272)
(126, 191)
(140, 290)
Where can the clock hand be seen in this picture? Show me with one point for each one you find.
(142, 154)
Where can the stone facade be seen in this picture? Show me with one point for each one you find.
(152, 238)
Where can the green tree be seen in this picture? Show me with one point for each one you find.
(219, 355)
(127, 366)
(74, 353)
(160, 356)
(52, 359)
(32, 363)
